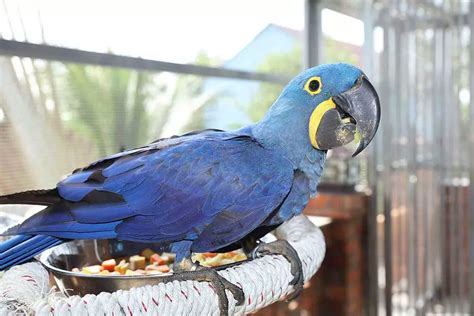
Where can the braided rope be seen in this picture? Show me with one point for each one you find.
(264, 281)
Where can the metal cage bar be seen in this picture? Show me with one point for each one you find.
(54, 53)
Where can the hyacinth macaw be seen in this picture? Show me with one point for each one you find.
(210, 190)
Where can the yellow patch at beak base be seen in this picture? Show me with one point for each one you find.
(316, 117)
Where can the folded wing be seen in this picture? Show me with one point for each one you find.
(211, 188)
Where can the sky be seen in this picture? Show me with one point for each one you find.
(164, 30)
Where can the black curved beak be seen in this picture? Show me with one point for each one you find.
(338, 120)
(362, 105)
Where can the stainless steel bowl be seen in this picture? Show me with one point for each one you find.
(60, 260)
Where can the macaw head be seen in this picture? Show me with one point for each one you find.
(325, 107)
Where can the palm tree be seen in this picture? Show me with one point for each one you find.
(107, 105)
(119, 108)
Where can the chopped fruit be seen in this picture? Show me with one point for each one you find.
(219, 258)
(153, 272)
(92, 269)
(151, 267)
(122, 267)
(229, 254)
(109, 265)
(156, 258)
(163, 268)
(137, 262)
(171, 256)
(151, 263)
(147, 253)
(241, 257)
(130, 272)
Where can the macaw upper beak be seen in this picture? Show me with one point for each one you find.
(336, 121)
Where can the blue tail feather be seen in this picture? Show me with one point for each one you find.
(22, 248)
(12, 242)
(31, 244)
(28, 256)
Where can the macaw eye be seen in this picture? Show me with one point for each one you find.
(313, 85)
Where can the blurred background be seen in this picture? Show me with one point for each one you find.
(80, 80)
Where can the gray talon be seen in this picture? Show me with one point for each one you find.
(219, 283)
(234, 289)
(284, 248)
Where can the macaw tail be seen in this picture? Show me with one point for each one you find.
(34, 197)
(22, 248)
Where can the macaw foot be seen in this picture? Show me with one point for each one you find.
(188, 271)
(283, 247)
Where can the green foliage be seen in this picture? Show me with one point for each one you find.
(138, 116)
(108, 105)
(119, 108)
(193, 87)
(203, 59)
(187, 91)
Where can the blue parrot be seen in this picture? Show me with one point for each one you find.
(209, 190)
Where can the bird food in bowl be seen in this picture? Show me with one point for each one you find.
(93, 266)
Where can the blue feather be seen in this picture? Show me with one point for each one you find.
(23, 248)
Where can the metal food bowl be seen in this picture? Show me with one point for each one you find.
(60, 260)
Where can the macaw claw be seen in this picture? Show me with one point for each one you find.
(219, 284)
(284, 248)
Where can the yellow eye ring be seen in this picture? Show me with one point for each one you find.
(313, 86)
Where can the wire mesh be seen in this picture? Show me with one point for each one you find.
(56, 117)
(424, 158)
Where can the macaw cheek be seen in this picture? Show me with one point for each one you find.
(333, 132)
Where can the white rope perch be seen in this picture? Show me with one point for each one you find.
(24, 289)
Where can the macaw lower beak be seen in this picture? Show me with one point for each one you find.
(336, 121)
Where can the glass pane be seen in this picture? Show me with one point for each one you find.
(238, 34)
(56, 117)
